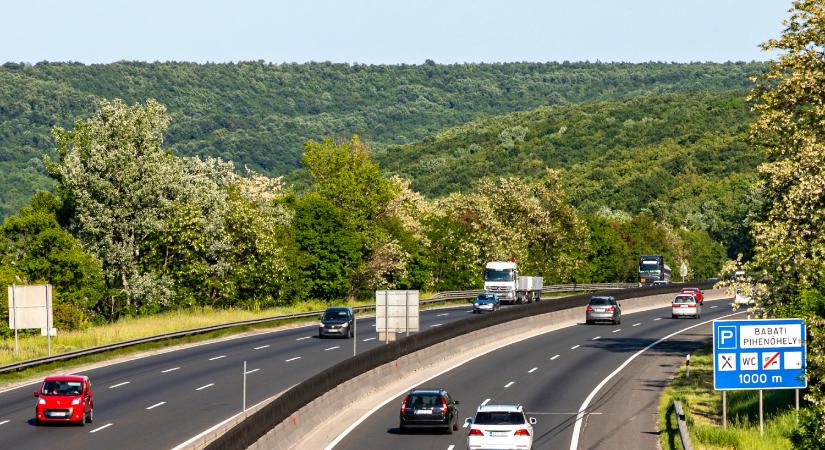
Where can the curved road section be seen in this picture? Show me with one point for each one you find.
(161, 401)
(605, 378)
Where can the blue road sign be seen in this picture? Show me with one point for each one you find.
(759, 354)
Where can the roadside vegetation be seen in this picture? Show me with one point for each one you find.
(703, 411)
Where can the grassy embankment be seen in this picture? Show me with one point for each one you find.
(703, 412)
(133, 328)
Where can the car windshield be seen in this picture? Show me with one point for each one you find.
(61, 387)
(424, 401)
(499, 418)
(336, 314)
(498, 275)
(683, 299)
(599, 301)
(483, 298)
(649, 267)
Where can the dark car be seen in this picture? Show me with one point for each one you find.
(337, 321)
(603, 308)
(486, 301)
(428, 408)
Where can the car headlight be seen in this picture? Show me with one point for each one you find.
(321, 324)
(76, 401)
(345, 324)
(41, 401)
(476, 304)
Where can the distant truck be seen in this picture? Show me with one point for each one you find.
(653, 270)
(503, 278)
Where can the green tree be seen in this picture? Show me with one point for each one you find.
(788, 232)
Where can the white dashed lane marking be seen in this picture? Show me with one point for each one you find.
(217, 357)
(554, 357)
(293, 359)
(368, 339)
(441, 315)
(595, 338)
(617, 330)
(533, 370)
(169, 370)
(485, 402)
(575, 347)
(437, 325)
(714, 306)
(4, 422)
(637, 324)
(302, 338)
(155, 405)
(100, 428)
(332, 348)
(119, 384)
(205, 386)
(509, 384)
(658, 318)
(263, 346)
(252, 371)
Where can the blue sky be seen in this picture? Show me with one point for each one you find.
(388, 31)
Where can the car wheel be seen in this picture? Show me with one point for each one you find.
(38, 422)
(320, 335)
(402, 429)
(673, 316)
(91, 416)
(82, 421)
(588, 322)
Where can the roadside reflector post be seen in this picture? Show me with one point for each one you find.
(725, 410)
(761, 423)
(244, 386)
(687, 366)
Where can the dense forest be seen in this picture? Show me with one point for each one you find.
(682, 158)
(259, 115)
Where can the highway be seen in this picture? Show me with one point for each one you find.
(552, 375)
(160, 401)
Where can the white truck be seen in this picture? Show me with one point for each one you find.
(503, 278)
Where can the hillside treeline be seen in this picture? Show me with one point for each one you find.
(259, 115)
(684, 159)
(133, 229)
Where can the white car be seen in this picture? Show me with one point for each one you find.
(686, 305)
(498, 427)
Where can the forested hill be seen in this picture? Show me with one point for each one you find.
(682, 157)
(260, 115)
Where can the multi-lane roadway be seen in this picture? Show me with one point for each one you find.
(160, 401)
(583, 384)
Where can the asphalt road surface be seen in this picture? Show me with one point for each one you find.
(160, 401)
(552, 375)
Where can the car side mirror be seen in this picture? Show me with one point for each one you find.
(456, 402)
(36, 394)
(532, 420)
(468, 421)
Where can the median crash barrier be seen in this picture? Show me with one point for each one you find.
(301, 409)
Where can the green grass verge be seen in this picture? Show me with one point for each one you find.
(703, 411)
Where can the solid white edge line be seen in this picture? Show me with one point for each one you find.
(205, 386)
(436, 325)
(119, 384)
(252, 371)
(155, 405)
(258, 348)
(217, 357)
(292, 359)
(577, 428)
(4, 422)
(509, 384)
(596, 338)
(100, 428)
(169, 370)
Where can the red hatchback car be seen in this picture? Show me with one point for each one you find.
(65, 398)
(699, 295)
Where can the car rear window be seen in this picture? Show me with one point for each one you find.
(684, 299)
(61, 387)
(424, 401)
(499, 418)
(598, 301)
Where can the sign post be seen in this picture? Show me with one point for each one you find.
(14, 320)
(757, 355)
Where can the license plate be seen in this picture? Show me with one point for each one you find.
(600, 310)
(423, 411)
(499, 433)
(58, 414)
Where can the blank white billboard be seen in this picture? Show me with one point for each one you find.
(30, 306)
(396, 311)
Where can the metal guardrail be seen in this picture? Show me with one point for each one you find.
(683, 430)
(439, 297)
